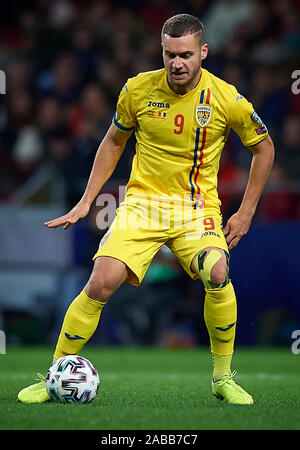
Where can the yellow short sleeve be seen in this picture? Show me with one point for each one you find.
(245, 122)
(124, 118)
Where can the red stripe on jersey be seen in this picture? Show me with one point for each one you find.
(200, 159)
(201, 148)
(208, 97)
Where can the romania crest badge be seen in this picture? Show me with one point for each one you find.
(203, 115)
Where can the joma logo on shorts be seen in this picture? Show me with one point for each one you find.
(209, 233)
(158, 105)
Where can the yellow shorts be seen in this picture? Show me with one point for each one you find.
(141, 227)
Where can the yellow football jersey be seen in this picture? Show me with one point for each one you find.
(179, 138)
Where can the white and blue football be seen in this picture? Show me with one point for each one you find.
(72, 379)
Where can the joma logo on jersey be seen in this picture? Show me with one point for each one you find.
(158, 105)
(203, 115)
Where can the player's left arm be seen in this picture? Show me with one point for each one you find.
(262, 162)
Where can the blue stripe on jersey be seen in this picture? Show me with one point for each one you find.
(201, 96)
(121, 127)
(195, 163)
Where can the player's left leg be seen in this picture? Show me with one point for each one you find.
(211, 264)
(201, 249)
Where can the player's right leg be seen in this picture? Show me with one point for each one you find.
(82, 318)
(136, 246)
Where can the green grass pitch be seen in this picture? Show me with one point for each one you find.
(157, 389)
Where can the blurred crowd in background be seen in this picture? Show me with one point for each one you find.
(66, 61)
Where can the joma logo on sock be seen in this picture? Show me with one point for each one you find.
(227, 328)
(73, 338)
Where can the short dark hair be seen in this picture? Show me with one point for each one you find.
(181, 25)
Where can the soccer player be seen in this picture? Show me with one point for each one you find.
(181, 116)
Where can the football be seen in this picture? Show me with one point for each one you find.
(72, 379)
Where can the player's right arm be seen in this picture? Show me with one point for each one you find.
(106, 159)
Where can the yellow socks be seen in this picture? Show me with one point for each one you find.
(79, 325)
(222, 365)
(220, 314)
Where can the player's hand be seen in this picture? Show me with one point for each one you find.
(78, 212)
(236, 227)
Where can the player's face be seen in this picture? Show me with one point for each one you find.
(182, 59)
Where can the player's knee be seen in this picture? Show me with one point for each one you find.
(219, 272)
(100, 287)
(107, 276)
(213, 266)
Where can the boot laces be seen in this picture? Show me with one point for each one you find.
(227, 378)
(40, 377)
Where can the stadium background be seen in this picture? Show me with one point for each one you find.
(65, 63)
